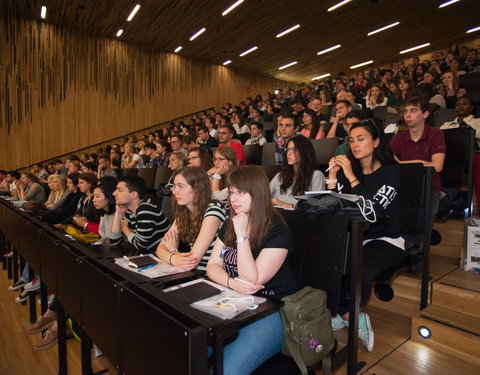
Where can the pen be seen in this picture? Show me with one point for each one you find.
(329, 167)
(243, 281)
(144, 268)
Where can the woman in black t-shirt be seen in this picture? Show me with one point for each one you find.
(369, 170)
(251, 256)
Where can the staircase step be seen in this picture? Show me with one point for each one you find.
(463, 300)
(407, 286)
(447, 339)
(452, 318)
(462, 279)
(398, 305)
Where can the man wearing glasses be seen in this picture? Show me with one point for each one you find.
(176, 141)
(225, 136)
(421, 143)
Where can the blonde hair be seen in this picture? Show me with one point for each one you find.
(55, 196)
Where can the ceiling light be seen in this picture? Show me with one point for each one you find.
(383, 28)
(341, 4)
(446, 4)
(199, 32)
(119, 32)
(43, 12)
(232, 7)
(329, 49)
(287, 31)
(178, 49)
(133, 12)
(474, 29)
(414, 48)
(227, 62)
(322, 76)
(248, 51)
(361, 64)
(287, 65)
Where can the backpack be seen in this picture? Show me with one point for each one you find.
(307, 329)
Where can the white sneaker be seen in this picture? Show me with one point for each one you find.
(338, 323)
(365, 331)
(32, 285)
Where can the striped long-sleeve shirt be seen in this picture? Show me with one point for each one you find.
(148, 225)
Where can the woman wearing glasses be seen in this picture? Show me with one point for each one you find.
(298, 174)
(251, 256)
(224, 162)
(369, 170)
(196, 221)
(199, 157)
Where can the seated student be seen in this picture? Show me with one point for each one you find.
(298, 173)
(137, 220)
(255, 116)
(429, 92)
(147, 156)
(89, 167)
(351, 118)
(74, 166)
(161, 156)
(375, 97)
(58, 191)
(256, 136)
(29, 189)
(39, 172)
(226, 139)
(205, 139)
(251, 256)
(196, 224)
(337, 130)
(238, 123)
(4, 185)
(224, 162)
(130, 159)
(116, 157)
(104, 167)
(178, 160)
(287, 129)
(311, 127)
(450, 89)
(369, 170)
(85, 208)
(200, 157)
(69, 205)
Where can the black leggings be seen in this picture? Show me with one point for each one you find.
(377, 257)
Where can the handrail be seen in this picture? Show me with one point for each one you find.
(112, 139)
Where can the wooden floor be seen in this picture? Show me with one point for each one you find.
(394, 352)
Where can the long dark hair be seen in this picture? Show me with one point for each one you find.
(252, 179)
(382, 153)
(108, 189)
(315, 123)
(300, 179)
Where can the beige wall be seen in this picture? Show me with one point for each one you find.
(63, 90)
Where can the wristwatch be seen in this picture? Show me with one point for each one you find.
(216, 176)
(242, 239)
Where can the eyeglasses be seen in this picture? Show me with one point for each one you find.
(194, 157)
(293, 149)
(411, 110)
(172, 187)
(219, 159)
(236, 193)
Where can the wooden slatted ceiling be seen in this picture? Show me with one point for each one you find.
(165, 24)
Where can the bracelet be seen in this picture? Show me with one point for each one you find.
(331, 182)
(173, 250)
(170, 259)
(228, 279)
(241, 239)
(351, 182)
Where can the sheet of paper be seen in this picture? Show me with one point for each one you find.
(159, 270)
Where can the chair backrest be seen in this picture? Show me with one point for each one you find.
(380, 112)
(269, 130)
(253, 154)
(244, 137)
(470, 82)
(458, 166)
(161, 176)
(167, 207)
(268, 153)
(271, 170)
(148, 175)
(130, 172)
(443, 115)
(269, 125)
(390, 118)
(324, 149)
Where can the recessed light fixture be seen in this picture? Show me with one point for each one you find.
(199, 32)
(227, 62)
(424, 332)
(473, 30)
(287, 65)
(361, 64)
(341, 4)
(383, 28)
(178, 49)
(415, 48)
(287, 31)
(329, 49)
(133, 12)
(43, 12)
(119, 32)
(447, 3)
(232, 7)
(248, 51)
(320, 77)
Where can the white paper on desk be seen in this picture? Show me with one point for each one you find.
(159, 270)
(225, 305)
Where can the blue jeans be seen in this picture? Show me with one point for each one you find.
(255, 343)
(24, 276)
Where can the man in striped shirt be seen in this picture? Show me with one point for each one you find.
(137, 220)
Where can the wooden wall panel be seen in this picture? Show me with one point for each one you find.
(62, 90)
